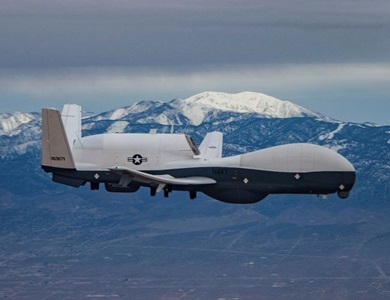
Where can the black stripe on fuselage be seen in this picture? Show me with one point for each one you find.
(255, 181)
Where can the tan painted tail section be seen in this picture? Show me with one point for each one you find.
(56, 151)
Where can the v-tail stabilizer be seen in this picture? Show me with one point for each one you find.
(56, 151)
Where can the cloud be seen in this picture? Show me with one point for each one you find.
(351, 92)
(89, 51)
(330, 13)
(176, 34)
(289, 76)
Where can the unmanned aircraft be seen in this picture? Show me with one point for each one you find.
(172, 162)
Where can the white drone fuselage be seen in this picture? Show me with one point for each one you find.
(124, 162)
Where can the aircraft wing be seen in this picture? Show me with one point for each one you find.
(160, 180)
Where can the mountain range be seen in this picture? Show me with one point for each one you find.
(58, 242)
(249, 121)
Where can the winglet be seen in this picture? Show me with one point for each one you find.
(56, 151)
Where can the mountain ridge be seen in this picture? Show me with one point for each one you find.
(365, 145)
(205, 106)
(196, 107)
(10, 122)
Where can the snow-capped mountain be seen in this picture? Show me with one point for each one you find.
(10, 124)
(206, 107)
(19, 133)
(199, 107)
(249, 121)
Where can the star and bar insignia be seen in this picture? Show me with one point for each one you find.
(137, 159)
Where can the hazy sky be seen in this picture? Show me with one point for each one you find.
(329, 56)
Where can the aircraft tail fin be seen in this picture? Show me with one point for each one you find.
(71, 118)
(56, 150)
(211, 146)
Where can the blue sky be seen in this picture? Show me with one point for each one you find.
(332, 57)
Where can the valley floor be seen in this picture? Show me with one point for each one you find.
(66, 247)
